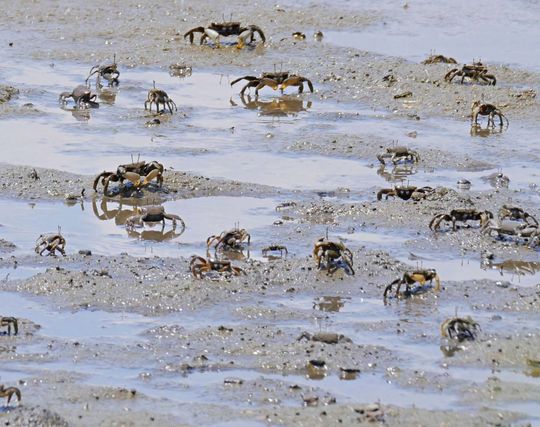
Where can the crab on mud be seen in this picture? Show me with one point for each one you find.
(275, 80)
(82, 96)
(138, 173)
(108, 72)
(398, 154)
(406, 192)
(200, 266)
(516, 213)
(153, 214)
(335, 255)
(460, 328)
(9, 322)
(158, 96)
(9, 392)
(514, 228)
(490, 110)
(409, 278)
(475, 71)
(229, 240)
(51, 242)
(275, 248)
(460, 214)
(226, 29)
(438, 59)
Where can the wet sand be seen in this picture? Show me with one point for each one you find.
(126, 336)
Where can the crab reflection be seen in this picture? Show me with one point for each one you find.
(478, 130)
(515, 267)
(228, 254)
(398, 172)
(276, 107)
(107, 95)
(329, 304)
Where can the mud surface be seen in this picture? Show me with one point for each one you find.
(119, 332)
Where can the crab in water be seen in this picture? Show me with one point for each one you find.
(516, 213)
(9, 322)
(398, 154)
(416, 276)
(226, 29)
(138, 173)
(9, 392)
(82, 96)
(406, 192)
(275, 80)
(200, 266)
(153, 214)
(51, 242)
(490, 110)
(460, 214)
(158, 96)
(229, 240)
(514, 228)
(460, 328)
(475, 71)
(108, 72)
(334, 254)
(275, 248)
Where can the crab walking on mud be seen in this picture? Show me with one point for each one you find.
(406, 192)
(460, 214)
(475, 71)
(153, 214)
(229, 239)
(51, 242)
(82, 96)
(332, 256)
(514, 229)
(200, 266)
(139, 173)
(9, 322)
(517, 214)
(158, 96)
(108, 72)
(225, 29)
(274, 80)
(460, 328)
(398, 154)
(9, 392)
(409, 278)
(490, 110)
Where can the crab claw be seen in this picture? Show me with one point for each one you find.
(134, 178)
(151, 175)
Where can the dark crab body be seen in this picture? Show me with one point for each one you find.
(460, 214)
(406, 192)
(480, 109)
(51, 243)
(200, 266)
(139, 173)
(416, 276)
(398, 154)
(517, 214)
(230, 239)
(275, 80)
(107, 72)
(153, 214)
(82, 96)
(460, 328)
(275, 248)
(475, 71)
(332, 256)
(246, 34)
(10, 322)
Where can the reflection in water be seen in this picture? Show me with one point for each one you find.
(398, 173)
(107, 95)
(515, 267)
(228, 254)
(329, 304)
(316, 369)
(276, 107)
(154, 235)
(478, 130)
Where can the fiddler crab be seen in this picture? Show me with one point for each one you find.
(409, 278)
(9, 322)
(514, 228)
(461, 214)
(460, 328)
(475, 71)
(153, 214)
(490, 110)
(332, 256)
(139, 173)
(275, 80)
(229, 240)
(438, 59)
(275, 248)
(406, 192)
(82, 96)
(9, 392)
(398, 154)
(158, 96)
(200, 266)
(51, 243)
(225, 29)
(108, 72)
(516, 213)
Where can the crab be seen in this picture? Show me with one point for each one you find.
(82, 96)
(199, 266)
(497, 180)
(460, 214)
(275, 80)
(490, 110)
(229, 239)
(158, 96)
(108, 72)
(416, 276)
(153, 214)
(9, 322)
(514, 228)
(51, 242)
(9, 392)
(334, 254)
(139, 173)
(276, 107)
(225, 29)
(398, 154)
(398, 173)
(460, 328)
(406, 192)
(475, 71)
(516, 213)
(275, 248)
(438, 59)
